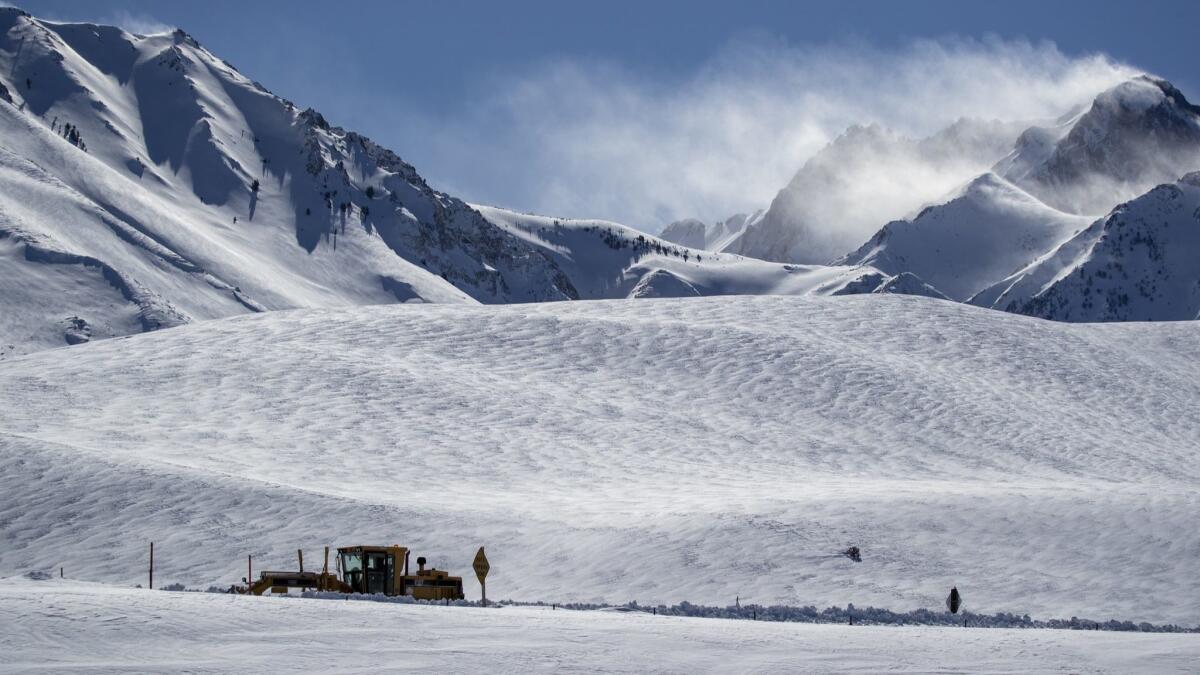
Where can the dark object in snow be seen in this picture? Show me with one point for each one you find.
(77, 331)
(853, 553)
(954, 600)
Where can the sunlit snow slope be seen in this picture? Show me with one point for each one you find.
(604, 260)
(988, 229)
(655, 450)
(1138, 263)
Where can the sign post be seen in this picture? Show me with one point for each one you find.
(481, 571)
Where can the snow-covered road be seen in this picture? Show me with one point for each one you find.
(63, 626)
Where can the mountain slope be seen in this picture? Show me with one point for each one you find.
(983, 233)
(604, 260)
(201, 140)
(1128, 139)
(1136, 264)
(661, 450)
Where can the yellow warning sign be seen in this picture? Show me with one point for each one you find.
(481, 565)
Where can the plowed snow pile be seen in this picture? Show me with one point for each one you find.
(658, 450)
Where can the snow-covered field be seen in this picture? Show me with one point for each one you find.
(55, 626)
(661, 451)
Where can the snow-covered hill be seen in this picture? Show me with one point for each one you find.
(983, 233)
(662, 450)
(1139, 263)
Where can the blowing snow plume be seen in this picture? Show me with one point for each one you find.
(598, 140)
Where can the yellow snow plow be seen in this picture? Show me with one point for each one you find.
(364, 569)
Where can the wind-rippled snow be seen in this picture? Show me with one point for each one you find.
(659, 450)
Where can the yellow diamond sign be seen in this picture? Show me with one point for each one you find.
(481, 565)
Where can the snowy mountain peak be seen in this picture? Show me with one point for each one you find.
(182, 38)
(866, 176)
(1135, 135)
(1145, 95)
(198, 194)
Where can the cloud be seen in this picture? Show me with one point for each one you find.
(142, 24)
(595, 139)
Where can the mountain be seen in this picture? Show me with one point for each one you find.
(149, 184)
(601, 259)
(988, 229)
(1138, 263)
(146, 183)
(1004, 220)
(718, 236)
(1134, 136)
(867, 176)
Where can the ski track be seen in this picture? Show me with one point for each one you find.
(658, 450)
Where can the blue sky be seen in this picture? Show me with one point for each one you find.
(648, 111)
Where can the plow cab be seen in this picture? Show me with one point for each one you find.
(385, 570)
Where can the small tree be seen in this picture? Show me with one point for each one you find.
(370, 192)
(254, 186)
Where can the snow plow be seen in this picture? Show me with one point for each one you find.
(364, 569)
